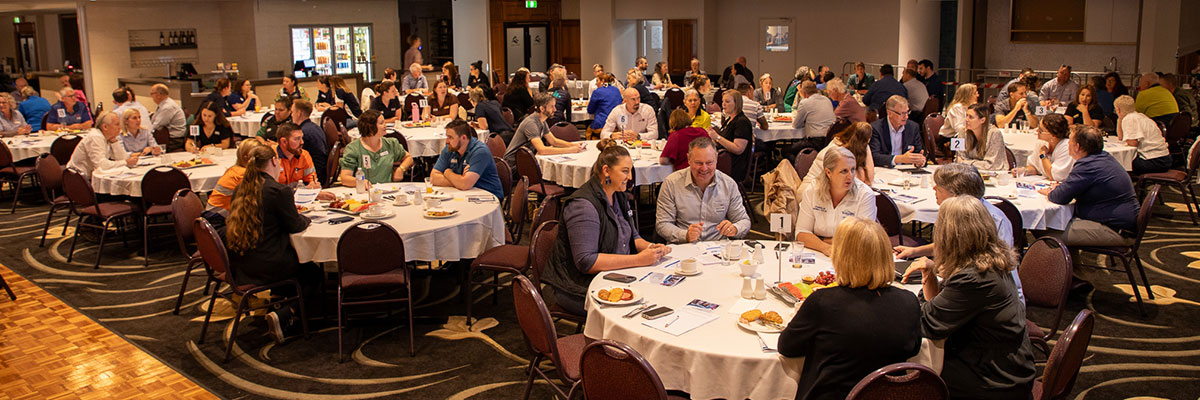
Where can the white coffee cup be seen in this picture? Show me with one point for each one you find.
(375, 210)
(689, 266)
(376, 195)
(401, 199)
(431, 202)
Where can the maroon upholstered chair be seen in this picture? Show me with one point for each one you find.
(543, 241)
(50, 175)
(84, 202)
(1010, 158)
(13, 174)
(464, 100)
(158, 190)
(888, 215)
(216, 260)
(1063, 366)
(333, 165)
(506, 180)
(872, 116)
(528, 167)
(565, 131)
(613, 370)
(918, 383)
(933, 125)
(804, 161)
(62, 147)
(1045, 273)
(508, 116)
(543, 341)
(1014, 218)
(336, 114)
(510, 257)
(185, 208)
(725, 163)
(370, 261)
(409, 100)
(496, 144)
(1128, 253)
(1180, 179)
(332, 135)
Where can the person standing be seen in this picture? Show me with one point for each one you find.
(413, 54)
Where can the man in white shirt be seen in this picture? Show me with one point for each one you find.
(123, 100)
(631, 120)
(1138, 130)
(168, 115)
(100, 150)
(750, 107)
(1061, 90)
(700, 202)
(918, 94)
(597, 70)
(814, 113)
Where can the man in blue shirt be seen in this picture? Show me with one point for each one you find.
(33, 108)
(314, 136)
(68, 113)
(465, 162)
(883, 89)
(1106, 207)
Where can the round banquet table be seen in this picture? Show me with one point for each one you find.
(476, 228)
(1036, 211)
(1024, 143)
(718, 359)
(427, 141)
(579, 110)
(30, 146)
(778, 130)
(247, 124)
(128, 181)
(573, 170)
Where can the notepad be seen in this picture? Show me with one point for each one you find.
(305, 196)
(682, 322)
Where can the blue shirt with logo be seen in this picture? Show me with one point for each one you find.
(479, 158)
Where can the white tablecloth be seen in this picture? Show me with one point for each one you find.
(476, 228)
(29, 146)
(247, 124)
(778, 131)
(424, 141)
(579, 110)
(128, 181)
(1036, 211)
(573, 170)
(1023, 144)
(718, 359)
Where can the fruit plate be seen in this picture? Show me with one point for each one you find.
(637, 297)
(190, 165)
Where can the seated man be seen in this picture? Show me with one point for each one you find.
(167, 114)
(414, 81)
(314, 136)
(750, 107)
(1155, 101)
(282, 115)
(533, 134)
(895, 139)
(814, 114)
(123, 99)
(1106, 207)
(101, 149)
(959, 179)
(700, 203)
(466, 162)
(69, 113)
(631, 120)
(295, 163)
(883, 89)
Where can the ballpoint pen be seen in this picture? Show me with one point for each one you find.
(672, 321)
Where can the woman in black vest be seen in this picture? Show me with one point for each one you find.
(600, 234)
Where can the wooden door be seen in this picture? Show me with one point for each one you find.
(568, 46)
(681, 44)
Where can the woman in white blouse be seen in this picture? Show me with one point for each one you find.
(1138, 130)
(956, 113)
(836, 194)
(1053, 159)
(983, 147)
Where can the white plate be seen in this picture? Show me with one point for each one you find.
(427, 215)
(637, 297)
(386, 214)
(757, 327)
(693, 273)
(900, 182)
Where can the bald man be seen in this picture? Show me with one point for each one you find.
(631, 120)
(1155, 101)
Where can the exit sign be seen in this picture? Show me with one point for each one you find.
(530, 3)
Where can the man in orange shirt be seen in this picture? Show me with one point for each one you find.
(296, 163)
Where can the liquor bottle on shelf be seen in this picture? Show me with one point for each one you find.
(173, 40)
(162, 41)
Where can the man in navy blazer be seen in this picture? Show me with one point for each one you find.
(883, 89)
(895, 139)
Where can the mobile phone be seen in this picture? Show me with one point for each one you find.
(619, 277)
(902, 266)
(658, 313)
(338, 220)
(782, 246)
(753, 243)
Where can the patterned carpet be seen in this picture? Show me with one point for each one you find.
(1156, 356)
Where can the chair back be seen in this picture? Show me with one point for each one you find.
(1010, 158)
(412, 98)
(267, 116)
(933, 125)
(804, 161)
(160, 184)
(336, 114)
(508, 117)
(333, 165)
(505, 173)
(534, 318)
(1193, 162)
(1063, 364)
(50, 176)
(917, 382)
(1045, 273)
(399, 137)
(332, 135)
(45, 117)
(527, 166)
(1178, 129)
(212, 250)
(725, 163)
(613, 370)
(1014, 218)
(933, 105)
(517, 207)
(370, 248)
(565, 131)
(185, 207)
(496, 144)
(6, 157)
(872, 116)
(540, 247)
(63, 147)
(162, 136)
(79, 190)
(550, 210)
(1144, 214)
(674, 98)
(464, 101)
(888, 215)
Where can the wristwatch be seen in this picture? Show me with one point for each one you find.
(1042, 156)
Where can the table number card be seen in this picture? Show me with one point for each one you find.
(424, 103)
(781, 223)
(958, 144)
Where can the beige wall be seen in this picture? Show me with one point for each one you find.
(1003, 54)
(1159, 44)
(272, 18)
(920, 21)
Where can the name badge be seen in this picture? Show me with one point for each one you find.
(366, 161)
(62, 113)
(383, 154)
(847, 214)
(819, 209)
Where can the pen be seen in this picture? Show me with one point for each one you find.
(671, 264)
(672, 321)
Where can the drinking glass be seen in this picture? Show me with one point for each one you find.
(428, 186)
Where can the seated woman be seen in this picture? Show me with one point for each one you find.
(562, 96)
(603, 100)
(1085, 109)
(450, 75)
(693, 104)
(854, 138)
(767, 95)
(374, 154)
(12, 123)
(262, 218)
(983, 147)
(703, 87)
(291, 89)
(675, 152)
(1053, 158)
(517, 97)
(242, 98)
(135, 138)
(214, 130)
(828, 328)
(661, 80)
(1139, 131)
(956, 114)
(222, 196)
(598, 232)
(975, 308)
(442, 104)
(637, 81)
(488, 115)
(836, 194)
(477, 76)
(735, 135)
(100, 149)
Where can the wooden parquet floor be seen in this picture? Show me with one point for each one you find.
(49, 350)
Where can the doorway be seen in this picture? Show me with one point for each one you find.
(681, 44)
(27, 57)
(650, 42)
(526, 45)
(776, 55)
(69, 30)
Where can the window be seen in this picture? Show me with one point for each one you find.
(777, 38)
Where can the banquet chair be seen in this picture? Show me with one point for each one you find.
(511, 257)
(506, 178)
(508, 116)
(565, 131)
(332, 135)
(1062, 368)
(370, 256)
(496, 145)
(888, 215)
(839, 125)
(45, 118)
(1010, 158)
(1045, 273)
(1128, 251)
(527, 166)
(50, 175)
(611, 370)
(13, 174)
(337, 114)
(464, 101)
(1180, 179)
(872, 116)
(1177, 131)
(186, 207)
(1014, 218)
(216, 260)
(162, 136)
(804, 161)
(918, 382)
(542, 340)
(85, 204)
(333, 165)
(937, 154)
(158, 190)
(409, 100)
(63, 147)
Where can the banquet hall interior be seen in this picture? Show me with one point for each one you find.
(599, 199)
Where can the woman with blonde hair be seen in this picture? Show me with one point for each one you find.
(828, 328)
(836, 194)
(854, 138)
(134, 137)
(975, 308)
(956, 113)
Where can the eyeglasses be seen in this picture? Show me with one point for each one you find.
(905, 112)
